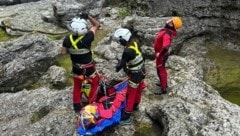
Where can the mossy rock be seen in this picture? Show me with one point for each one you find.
(39, 114)
(147, 129)
(4, 36)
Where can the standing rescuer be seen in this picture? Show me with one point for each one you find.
(162, 44)
(132, 62)
(78, 45)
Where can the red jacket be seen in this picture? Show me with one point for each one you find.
(163, 41)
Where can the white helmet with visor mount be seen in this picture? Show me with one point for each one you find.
(122, 35)
(78, 26)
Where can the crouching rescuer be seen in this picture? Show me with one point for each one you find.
(78, 45)
(132, 62)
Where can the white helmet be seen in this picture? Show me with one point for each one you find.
(78, 26)
(122, 33)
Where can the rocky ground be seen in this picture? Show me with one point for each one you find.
(191, 106)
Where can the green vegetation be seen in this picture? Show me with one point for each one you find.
(123, 12)
(65, 62)
(1, 72)
(56, 37)
(114, 2)
(4, 36)
(226, 76)
(99, 36)
(33, 86)
(39, 114)
(146, 129)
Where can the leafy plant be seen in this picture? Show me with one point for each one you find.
(123, 12)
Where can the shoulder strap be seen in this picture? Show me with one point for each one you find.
(135, 48)
(74, 42)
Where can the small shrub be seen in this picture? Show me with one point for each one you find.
(122, 12)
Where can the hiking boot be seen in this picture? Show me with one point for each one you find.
(136, 107)
(125, 122)
(158, 84)
(160, 92)
(77, 107)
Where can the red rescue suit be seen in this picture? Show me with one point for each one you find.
(161, 46)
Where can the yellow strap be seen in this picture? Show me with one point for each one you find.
(74, 43)
(135, 48)
(132, 84)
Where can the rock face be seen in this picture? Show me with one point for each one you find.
(203, 112)
(37, 112)
(26, 18)
(66, 10)
(55, 77)
(215, 13)
(13, 2)
(24, 60)
(219, 18)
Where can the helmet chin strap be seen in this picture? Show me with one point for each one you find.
(169, 26)
(78, 35)
(123, 42)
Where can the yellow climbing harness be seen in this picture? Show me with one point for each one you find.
(137, 62)
(74, 42)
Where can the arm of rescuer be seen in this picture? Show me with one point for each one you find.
(166, 43)
(122, 63)
(63, 50)
(95, 24)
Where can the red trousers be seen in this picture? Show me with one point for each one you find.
(77, 93)
(134, 96)
(161, 71)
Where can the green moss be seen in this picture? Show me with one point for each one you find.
(65, 62)
(114, 2)
(1, 72)
(4, 36)
(33, 86)
(39, 114)
(146, 129)
(226, 76)
(56, 37)
(123, 12)
(99, 36)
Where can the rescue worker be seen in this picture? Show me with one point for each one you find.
(78, 45)
(132, 62)
(162, 44)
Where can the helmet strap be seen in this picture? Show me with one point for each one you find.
(169, 26)
(122, 42)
